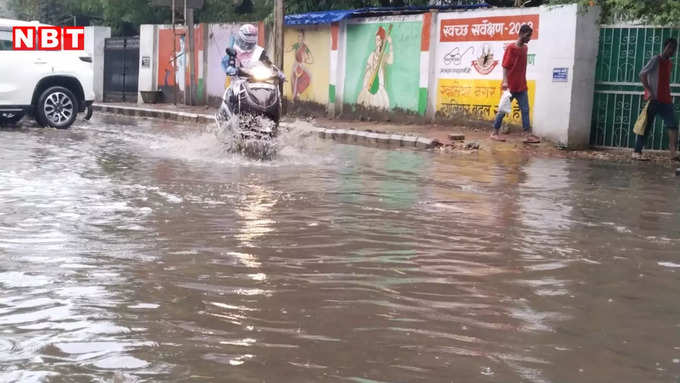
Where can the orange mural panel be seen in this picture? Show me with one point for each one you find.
(173, 68)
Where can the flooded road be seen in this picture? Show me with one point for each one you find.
(138, 251)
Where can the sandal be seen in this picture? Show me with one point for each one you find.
(639, 157)
(498, 138)
(532, 140)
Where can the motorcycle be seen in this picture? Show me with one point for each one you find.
(251, 106)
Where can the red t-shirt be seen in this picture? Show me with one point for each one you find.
(515, 61)
(664, 93)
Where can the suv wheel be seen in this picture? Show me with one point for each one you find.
(57, 107)
(10, 118)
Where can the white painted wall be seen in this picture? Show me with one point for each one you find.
(552, 105)
(95, 38)
(563, 110)
(340, 79)
(219, 39)
(147, 48)
(567, 39)
(433, 68)
(583, 88)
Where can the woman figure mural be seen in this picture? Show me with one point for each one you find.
(373, 93)
(301, 77)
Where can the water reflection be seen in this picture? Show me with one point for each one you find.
(139, 253)
(256, 202)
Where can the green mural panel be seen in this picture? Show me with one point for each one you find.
(383, 78)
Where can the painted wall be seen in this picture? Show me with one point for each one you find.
(156, 50)
(469, 56)
(220, 37)
(306, 63)
(563, 108)
(469, 51)
(582, 96)
(433, 63)
(95, 38)
(382, 62)
(148, 59)
(172, 64)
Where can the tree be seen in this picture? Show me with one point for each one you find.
(656, 12)
(221, 11)
(123, 16)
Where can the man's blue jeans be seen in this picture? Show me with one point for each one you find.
(523, 101)
(666, 112)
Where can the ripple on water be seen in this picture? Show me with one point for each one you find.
(331, 260)
(121, 362)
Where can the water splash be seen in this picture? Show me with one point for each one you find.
(248, 135)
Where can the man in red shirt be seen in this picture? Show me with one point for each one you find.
(656, 79)
(515, 80)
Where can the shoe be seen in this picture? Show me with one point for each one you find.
(531, 139)
(639, 157)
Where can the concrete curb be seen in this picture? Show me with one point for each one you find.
(154, 113)
(377, 139)
(360, 137)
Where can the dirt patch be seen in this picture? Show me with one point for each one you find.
(304, 109)
(365, 114)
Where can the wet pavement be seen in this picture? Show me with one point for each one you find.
(141, 251)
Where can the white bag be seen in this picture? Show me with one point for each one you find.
(505, 105)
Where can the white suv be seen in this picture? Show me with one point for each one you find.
(53, 86)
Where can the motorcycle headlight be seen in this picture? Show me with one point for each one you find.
(262, 73)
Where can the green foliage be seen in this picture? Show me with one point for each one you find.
(303, 6)
(123, 16)
(655, 12)
(221, 11)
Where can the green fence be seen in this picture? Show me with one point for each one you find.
(623, 51)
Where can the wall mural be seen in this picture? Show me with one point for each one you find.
(306, 63)
(173, 68)
(469, 54)
(220, 37)
(383, 63)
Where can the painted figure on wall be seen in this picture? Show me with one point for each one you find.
(180, 65)
(373, 93)
(301, 77)
(171, 70)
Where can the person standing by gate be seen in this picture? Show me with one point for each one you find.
(515, 80)
(656, 79)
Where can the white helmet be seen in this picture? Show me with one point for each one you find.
(247, 38)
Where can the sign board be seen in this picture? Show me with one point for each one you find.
(560, 74)
(194, 4)
(146, 61)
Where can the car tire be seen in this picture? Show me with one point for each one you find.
(88, 112)
(10, 118)
(57, 107)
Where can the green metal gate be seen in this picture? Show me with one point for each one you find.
(618, 101)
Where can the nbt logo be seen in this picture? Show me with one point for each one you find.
(48, 38)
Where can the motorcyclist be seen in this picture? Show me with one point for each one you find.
(246, 51)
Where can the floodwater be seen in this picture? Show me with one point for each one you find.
(139, 251)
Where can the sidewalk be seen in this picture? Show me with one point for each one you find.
(200, 114)
(420, 136)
